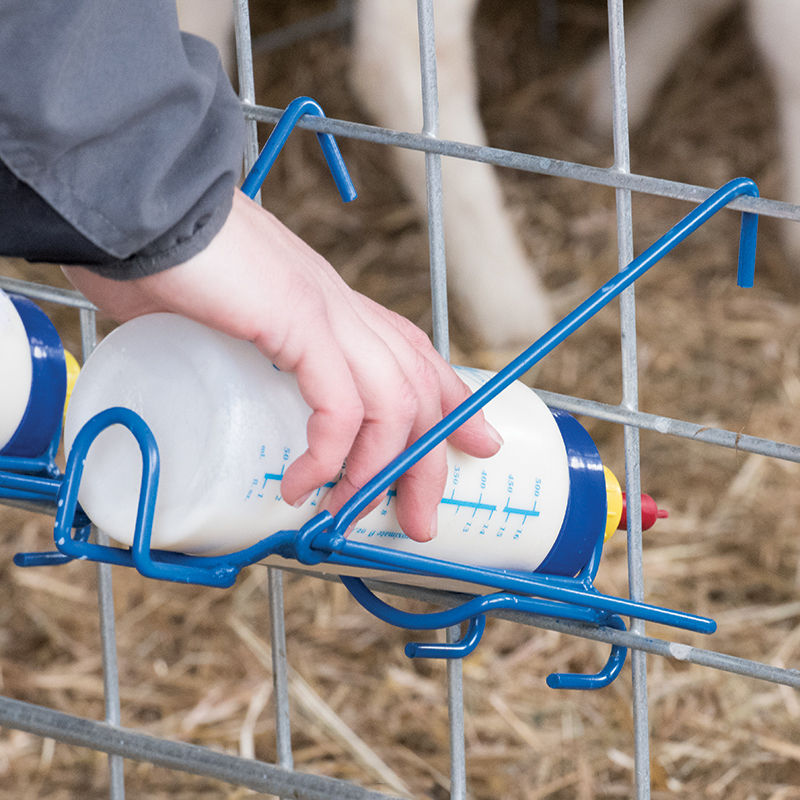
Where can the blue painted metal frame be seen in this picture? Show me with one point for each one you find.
(323, 539)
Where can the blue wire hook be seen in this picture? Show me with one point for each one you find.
(463, 647)
(280, 133)
(601, 679)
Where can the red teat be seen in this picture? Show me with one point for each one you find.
(650, 513)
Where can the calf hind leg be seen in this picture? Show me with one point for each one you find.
(496, 287)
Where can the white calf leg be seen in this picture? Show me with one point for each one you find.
(496, 286)
(656, 36)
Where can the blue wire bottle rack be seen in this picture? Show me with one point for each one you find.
(37, 482)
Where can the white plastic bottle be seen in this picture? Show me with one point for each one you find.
(228, 424)
(34, 378)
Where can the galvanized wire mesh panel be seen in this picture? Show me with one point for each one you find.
(281, 778)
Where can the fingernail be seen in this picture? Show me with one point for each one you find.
(434, 529)
(494, 434)
(303, 500)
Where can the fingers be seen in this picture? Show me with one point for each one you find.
(421, 486)
(363, 405)
(475, 436)
(405, 387)
(390, 401)
(408, 404)
(326, 384)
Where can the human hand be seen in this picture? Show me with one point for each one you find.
(372, 379)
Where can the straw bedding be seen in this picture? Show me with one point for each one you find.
(195, 663)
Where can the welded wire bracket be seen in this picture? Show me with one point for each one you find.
(323, 539)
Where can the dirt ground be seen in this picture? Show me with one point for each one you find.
(194, 662)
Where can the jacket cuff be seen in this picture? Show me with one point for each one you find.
(169, 250)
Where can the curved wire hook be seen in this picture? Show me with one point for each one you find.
(463, 647)
(601, 679)
(560, 331)
(280, 133)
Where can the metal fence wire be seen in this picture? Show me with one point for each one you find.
(281, 778)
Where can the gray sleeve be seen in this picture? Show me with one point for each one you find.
(120, 126)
